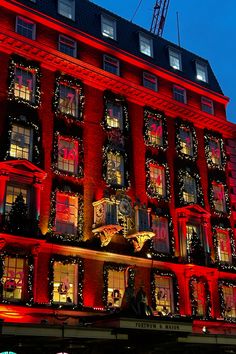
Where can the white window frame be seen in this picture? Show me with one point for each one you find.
(201, 72)
(206, 102)
(16, 275)
(62, 282)
(150, 81)
(186, 149)
(72, 45)
(69, 3)
(219, 204)
(160, 226)
(108, 60)
(115, 288)
(145, 40)
(68, 164)
(107, 21)
(70, 210)
(158, 186)
(178, 92)
(189, 196)
(24, 85)
(223, 235)
(165, 306)
(229, 296)
(26, 21)
(69, 103)
(12, 195)
(175, 55)
(114, 120)
(118, 170)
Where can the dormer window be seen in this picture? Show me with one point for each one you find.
(25, 27)
(201, 72)
(111, 64)
(108, 27)
(145, 45)
(175, 59)
(66, 8)
(150, 81)
(67, 45)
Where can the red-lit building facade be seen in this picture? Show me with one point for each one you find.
(117, 173)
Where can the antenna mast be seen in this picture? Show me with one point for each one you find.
(159, 17)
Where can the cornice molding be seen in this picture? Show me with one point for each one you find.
(54, 60)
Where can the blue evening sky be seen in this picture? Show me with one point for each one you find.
(207, 28)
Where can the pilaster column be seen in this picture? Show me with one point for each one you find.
(182, 221)
(3, 182)
(35, 251)
(37, 190)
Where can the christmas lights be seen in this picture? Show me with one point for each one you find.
(31, 93)
(67, 260)
(186, 140)
(122, 117)
(151, 185)
(224, 307)
(214, 150)
(192, 173)
(163, 273)
(155, 129)
(70, 106)
(36, 144)
(76, 158)
(206, 296)
(65, 236)
(219, 179)
(222, 227)
(119, 268)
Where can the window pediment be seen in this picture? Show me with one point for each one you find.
(193, 209)
(22, 167)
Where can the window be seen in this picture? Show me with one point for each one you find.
(193, 238)
(24, 83)
(12, 192)
(163, 295)
(67, 154)
(199, 297)
(115, 168)
(25, 27)
(68, 100)
(21, 142)
(155, 131)
(111, 65)
(14, 276)
(189, 189)
(186, 140)
(145, 45)
(207, 105)
(66, 213)
(108, 27)
(219, 197)
(223, 246)
(201, 71)
(214, 151)
(65, 281)
(114, 118)
(179, 94)
(67, 45)
(67, 8)
(157, 180)
(160, 226)
(150, 81)
(175, 59)
(116, 287)
(229, 295)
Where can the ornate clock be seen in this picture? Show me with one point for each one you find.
(125, 207)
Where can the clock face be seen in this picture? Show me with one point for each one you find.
(125, 207)
(99, 211)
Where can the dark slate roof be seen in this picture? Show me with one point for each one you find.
(88, 19)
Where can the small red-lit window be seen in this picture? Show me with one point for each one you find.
(67, 155)
(219, 197)
(66, 213)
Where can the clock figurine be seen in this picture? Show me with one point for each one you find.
(99, 213)
(125, 207)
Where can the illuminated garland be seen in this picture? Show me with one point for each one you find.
(75, 84)
(150, 189)
(36, 145)
(218, 179)
(66, 237)
(106, 149)
(119, 268)
(29, 284)
(222, 265)
(170, 255)
(223, 305)
(181, 125)
(17, 61)
(110, 97)
(156, 116)
(194, 304)
(209, 135)
(194, 174)
(163, 273)
(67, 260)
(55, 168)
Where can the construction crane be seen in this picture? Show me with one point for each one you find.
(159, 17)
